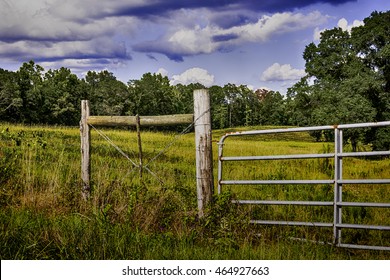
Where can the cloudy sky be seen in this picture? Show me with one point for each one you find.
(255, 43)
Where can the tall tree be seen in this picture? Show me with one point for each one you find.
(62, 93)
(372, 44)
(151, 95)
(346, 77)
(272, 109)
(219, 107)
(183, 98)
(242, 105)
(10, 101)
(107, 95)
(30, 77)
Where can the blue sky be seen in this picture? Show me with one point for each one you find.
(255, 43)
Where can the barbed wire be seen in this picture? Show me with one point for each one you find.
(114, 145)
(162, 151)
(175, 139)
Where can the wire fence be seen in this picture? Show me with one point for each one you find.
(160, 153)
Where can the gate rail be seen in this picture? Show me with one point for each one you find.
(337, 181)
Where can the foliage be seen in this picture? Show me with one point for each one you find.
(347, 79)
(107, 95)
(151, 95)
(10, 100)
(62, 93)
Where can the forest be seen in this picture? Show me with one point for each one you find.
(347, 81)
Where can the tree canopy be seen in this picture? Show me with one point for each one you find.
(33, 95)
(348, 80)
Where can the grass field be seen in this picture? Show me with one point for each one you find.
(42, 214)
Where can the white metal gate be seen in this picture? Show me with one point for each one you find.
(337, 181)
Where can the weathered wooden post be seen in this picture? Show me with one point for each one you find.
(139, 145)
(204, 155)
(85, 149)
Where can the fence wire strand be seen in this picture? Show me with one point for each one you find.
(105, 137)
(162, 151)
(176, 138)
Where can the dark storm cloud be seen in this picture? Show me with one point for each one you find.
(229, 19)
(99, 49)
(152, 57)
(162, 7)
(157, 47)
(286, 5)
(224, 38)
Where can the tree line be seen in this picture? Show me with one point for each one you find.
(347, 81)
(32, 95)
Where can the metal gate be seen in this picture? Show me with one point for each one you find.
(337, 181)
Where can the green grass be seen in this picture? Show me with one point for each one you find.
(42, 214)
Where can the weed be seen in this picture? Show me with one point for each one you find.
(42, 214)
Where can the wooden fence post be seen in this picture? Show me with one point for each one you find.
(85, 149)
(139, 146)
(204, 155)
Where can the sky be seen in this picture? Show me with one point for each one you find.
(215, 42)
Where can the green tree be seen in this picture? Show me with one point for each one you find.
(347, 78)
(329, 59)
(300, 103)
(219, 107)
(183, 98)
(372, 43)
(107, 95)
(10, 101)
(151, 95)
(242, 104)
(29, 82)
(62, 93)
(272, 109)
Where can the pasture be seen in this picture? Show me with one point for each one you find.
(43, 216)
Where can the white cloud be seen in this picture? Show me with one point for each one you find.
(317, 34)
(38, 30)
(277, 24)
(193, 41)
(163, 72)
(39, 24)
(208, 38)
(277, 72)
(251, 87)
(194, 75)
(342, 23)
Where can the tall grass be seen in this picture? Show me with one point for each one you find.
(42, 214)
